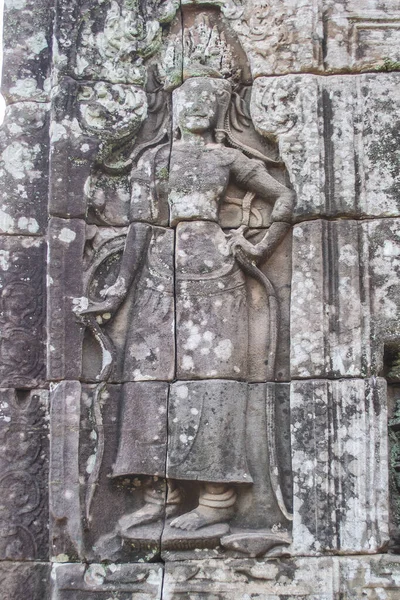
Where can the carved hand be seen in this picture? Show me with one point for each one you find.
(238, 243)
(113, 296)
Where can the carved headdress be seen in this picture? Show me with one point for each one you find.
(203, 52)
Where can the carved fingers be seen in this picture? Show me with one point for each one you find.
(238, 243)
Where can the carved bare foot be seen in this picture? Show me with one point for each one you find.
(201, 517)
(149, 513)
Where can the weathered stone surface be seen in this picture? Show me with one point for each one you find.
(280, 36)
(230, 433)
(345, 297)
(361, 35)
(127, 304)
(308, 578)
(328, 336)
(186, 332)
(381, 251)
(339, 461)
(24, 474)
(103, 458)
(369, 577)
(111, 41)
(21, 580)
(65, 510)
(225, 324)
(122, 582)
(66, 240)
(27, 41)
(337, 136)
(89, 120)
(24, 168)
(22, 313)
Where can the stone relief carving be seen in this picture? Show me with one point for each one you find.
(22, 312)
(112, 40)
(24, 471)
(185, 310)
(182, 319)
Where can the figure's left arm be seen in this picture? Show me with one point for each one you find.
(253, 176)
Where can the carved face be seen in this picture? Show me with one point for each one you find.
(196, 104)
(112, 110)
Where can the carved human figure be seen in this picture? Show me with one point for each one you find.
(194, 301)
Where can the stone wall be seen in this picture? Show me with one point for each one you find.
(199, 300)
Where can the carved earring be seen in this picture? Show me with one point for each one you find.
(220, 130)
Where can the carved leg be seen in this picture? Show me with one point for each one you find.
(216, 505)
(174, 499)
(152, 510)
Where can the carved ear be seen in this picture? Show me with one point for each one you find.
(241, 133)
(239, 116)
(224, 98)
(157, 125)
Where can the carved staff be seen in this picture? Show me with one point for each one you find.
(134, 253)
(250, 267)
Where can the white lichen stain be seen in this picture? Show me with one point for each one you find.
(14, 129)
(28, 223)
(4, 260)
(61, 558)
(80, 304)
(25, 88)
(90, 463)
(15, 4)
(138, 376)
(182, 391)
(37, 42)
(107, 359)
(224, 349)
(66, 235)
(18, 160)
(57, 132)
(187, 362)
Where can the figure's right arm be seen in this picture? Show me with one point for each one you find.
(133, 256)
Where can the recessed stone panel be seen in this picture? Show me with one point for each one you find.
(361, 35)
(340, 468)
(369, 577)
(66, 240)
(305, 578)
(337, 136)
(27, 40)
(24, 167)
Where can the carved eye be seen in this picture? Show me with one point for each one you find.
(85, 93)
(102, 92)
(119, 95)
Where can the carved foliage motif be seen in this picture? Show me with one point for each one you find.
(24, 471)
(25, 580)
(22, 312)
(110, 41)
